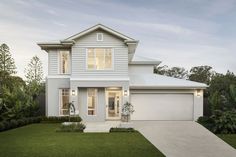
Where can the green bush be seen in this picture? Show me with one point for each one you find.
(74, 127)
(224, 122)
(221, 122)
(13, 124)
(61, 119)
(207, 122)
(2, 126)
(20, 122)
(6, 125)
(122, 130)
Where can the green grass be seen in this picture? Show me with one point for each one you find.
(41, 140)
(229, 138)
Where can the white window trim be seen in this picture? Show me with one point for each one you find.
(112, 58)
(98, 36)
(96, 98)
(59, 97)
(59, 63)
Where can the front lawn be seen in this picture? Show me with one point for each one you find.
(229, 138)
(41, 140)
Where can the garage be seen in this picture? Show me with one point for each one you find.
(162, 106)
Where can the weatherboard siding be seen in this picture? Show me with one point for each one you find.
(91, 40)
(52, 62)
(79, 65)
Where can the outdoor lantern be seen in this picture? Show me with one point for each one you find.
(198, 92)
(73, 92)
(125, 92)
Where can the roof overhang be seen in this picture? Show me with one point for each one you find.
(59, 44)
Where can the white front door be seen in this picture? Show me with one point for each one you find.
(113, 104)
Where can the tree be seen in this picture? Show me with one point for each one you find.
(34, 71)
(201, 74)
(7, 64)
(34, 75)
(177, 72)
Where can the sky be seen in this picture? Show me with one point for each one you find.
(182, 33)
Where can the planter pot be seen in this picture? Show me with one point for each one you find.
(125, 118)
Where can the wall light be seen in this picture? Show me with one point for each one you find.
(73, 92)
(125, 92)
(198, 92)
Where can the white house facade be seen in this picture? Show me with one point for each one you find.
(98, 71)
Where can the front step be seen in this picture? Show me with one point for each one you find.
(100, 127)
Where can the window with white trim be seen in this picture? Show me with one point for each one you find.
(64, 96)
(92, 101)
(64, 64)
(99, 59)
(99, 36)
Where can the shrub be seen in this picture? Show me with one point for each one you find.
(224, 122)
(122, 130)
(13, 123)
(73, 127)
(61, 119)
(6, 125)
(206, 122)
(20, 122)
(221, 122)
(2, 126)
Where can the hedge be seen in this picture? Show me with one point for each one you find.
(122, 130)
(53, 119)
(14, 123)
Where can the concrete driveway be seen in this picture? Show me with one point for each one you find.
(184, 139)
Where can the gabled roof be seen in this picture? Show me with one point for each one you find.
(144, 60)
(99, 26)
(68, 42)
(155, 81)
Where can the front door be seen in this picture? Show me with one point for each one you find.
(113, 106)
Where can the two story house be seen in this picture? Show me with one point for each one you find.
(98, 70)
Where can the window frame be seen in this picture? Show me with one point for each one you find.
(60, 100)
(112, 59)
(96, 100)
(60, 62)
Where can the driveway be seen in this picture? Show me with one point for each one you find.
(184, 139)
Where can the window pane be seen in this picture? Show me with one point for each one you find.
(64, 101)
(90, 59)
(108, 59)
(92, 96)
(64, 62)
(99, 59)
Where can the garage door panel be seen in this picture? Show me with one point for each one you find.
(162, 106)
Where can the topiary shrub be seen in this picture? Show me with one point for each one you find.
(6, 125)
(53, 119)
(122, 130)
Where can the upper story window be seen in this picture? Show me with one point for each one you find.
(99, 59)
(99, 37)
(64, 64)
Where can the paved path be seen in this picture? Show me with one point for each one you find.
(184, 139)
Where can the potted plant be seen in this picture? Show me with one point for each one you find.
(127, 110)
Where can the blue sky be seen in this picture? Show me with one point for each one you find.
(182, 33)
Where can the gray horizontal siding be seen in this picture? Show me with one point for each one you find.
(79, 64)
(91, 39)
(52, 62)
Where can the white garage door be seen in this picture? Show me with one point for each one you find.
(162, 106)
